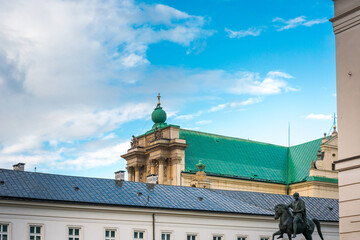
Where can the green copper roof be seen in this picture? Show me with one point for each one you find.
(300, 157)
(235, 157)
(322, 179)
(240, 158)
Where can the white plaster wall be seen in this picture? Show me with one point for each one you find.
(56, 218)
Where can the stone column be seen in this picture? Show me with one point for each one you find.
(152, 167)
(176, 170)
(137, 175)
(130, 170)
(161, 171)
(168, 171)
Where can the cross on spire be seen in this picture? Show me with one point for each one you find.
(158, 97)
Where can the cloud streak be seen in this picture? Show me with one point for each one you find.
(243, 33)
(313, 116)
(235, 105)
(296, 22)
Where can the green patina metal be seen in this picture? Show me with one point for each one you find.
(200, 166)
(158, 115)
(322, 179)
(300, 158)
(245, 159)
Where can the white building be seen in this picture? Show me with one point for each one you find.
(55, 207)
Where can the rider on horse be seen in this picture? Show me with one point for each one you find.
(299, 212)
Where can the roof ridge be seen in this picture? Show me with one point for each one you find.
(56, 174)
(234, 138)
(246, 140)
(305, 142)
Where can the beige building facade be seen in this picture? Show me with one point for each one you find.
(346, 25)
(168, 154)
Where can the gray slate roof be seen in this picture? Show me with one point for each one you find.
(84, 190)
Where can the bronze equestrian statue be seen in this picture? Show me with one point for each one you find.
(297, 222)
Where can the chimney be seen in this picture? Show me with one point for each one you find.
(153, 178)
(19, 167)
(120, 175)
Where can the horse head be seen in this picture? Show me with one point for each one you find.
(280, 209)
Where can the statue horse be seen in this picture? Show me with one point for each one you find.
(286, 224)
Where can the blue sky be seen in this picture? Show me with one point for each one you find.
(79, 78)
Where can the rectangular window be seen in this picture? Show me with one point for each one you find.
(241, 238)
(191, 237)
(4, 232)
(138, 235)
(35, 232)
(110, 234)
(165, 236)
(217, 238)
(264, 238)
(74, 233)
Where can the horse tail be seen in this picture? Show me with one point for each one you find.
(318, 227)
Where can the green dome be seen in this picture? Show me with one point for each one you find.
(158, 115)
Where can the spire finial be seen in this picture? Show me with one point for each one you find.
(158, 97)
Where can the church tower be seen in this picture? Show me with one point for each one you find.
(157, 156)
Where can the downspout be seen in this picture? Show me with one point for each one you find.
(153, 225)
(287, 189)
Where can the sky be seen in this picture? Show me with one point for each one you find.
(79, 78)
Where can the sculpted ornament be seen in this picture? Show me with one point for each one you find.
(134, 142)
(158, 133)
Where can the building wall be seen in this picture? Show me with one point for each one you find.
(347, 34)
(306, 189)
(315, 189)
(238, 184)
(55, 218)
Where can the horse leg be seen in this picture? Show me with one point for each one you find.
(308, 236)
(276, 233)
(318, 227)
(289, 235)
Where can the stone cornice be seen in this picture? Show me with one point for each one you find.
(135, 153)
(346, 20)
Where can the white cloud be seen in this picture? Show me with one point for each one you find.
(252, 83)
(315, 21)
(189, 116)
(67, 67)
(203, 122)
(235, 105)
(275, 74)
(54, 48)
(100, 157)
(319, 116)
(243, 33)
(298, 21)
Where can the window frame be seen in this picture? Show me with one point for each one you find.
(166, 232)
(74, 226)
(217, 235)
(112, 229)
(42, 230)
(8, 229)
(192, 234)
(138, 230)
(264, 236)
(241, 236)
